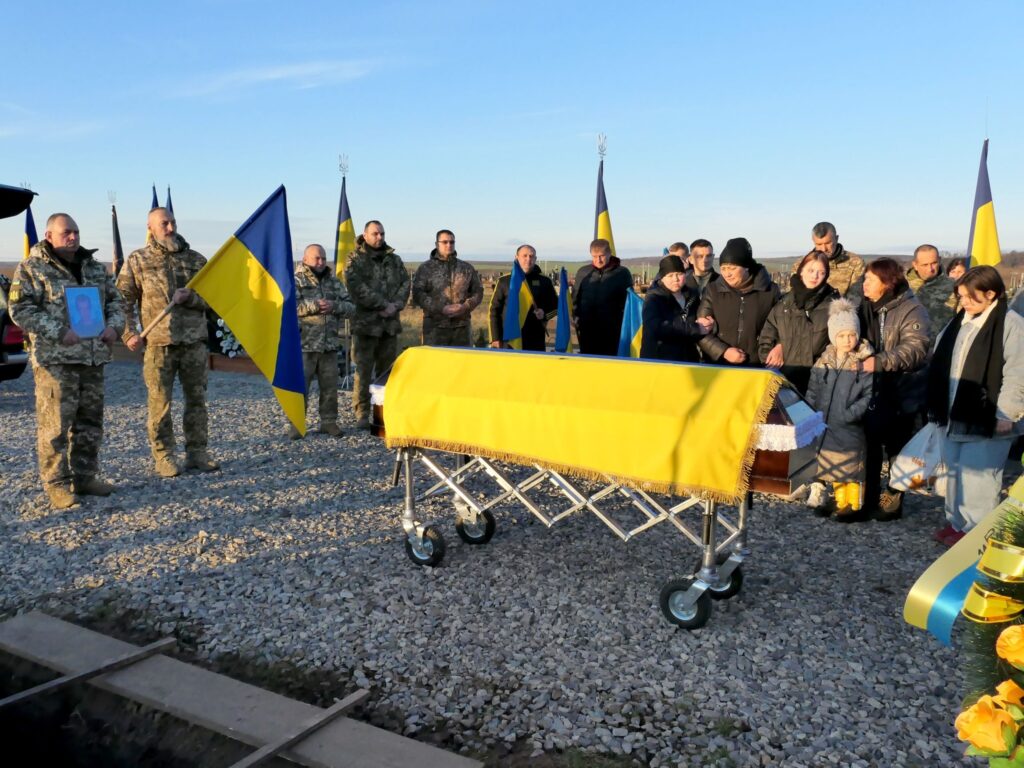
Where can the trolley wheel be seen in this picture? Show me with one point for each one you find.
(430, 551)
(731, 588)
(479, 532)
(679, 613)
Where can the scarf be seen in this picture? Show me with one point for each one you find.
(806, 298)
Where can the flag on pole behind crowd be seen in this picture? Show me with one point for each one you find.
(983, 243)
(250, 283)
(156, 200)
(603, 220)
(169, 206)
(31, 238)
(632, 326)
(517, 307)
(563, 325)
(345, 237)
(118, 250)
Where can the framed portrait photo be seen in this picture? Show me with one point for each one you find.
(85, 310)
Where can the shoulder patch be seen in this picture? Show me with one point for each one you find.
(15, 292)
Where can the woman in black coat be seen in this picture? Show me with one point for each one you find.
(670, 327)
(796, 332)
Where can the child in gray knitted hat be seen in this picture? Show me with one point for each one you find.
(842, 392)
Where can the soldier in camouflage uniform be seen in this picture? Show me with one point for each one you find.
(448, 290)
(378, 283)
(153, 278)
(932, 288)
(322, 303)
(68, 369)
(845, 268)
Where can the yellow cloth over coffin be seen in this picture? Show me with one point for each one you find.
(664, 427)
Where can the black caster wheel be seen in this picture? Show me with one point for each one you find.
(675, 607)
(430, 551)
(731, 588)
(479, 532)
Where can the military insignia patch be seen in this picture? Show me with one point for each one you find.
(15, 291)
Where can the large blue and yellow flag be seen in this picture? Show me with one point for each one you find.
(118, 250)
(31, 238)
(170, 205)
(603, 220)
(517, 308)
(156, 200)
(632, 326)
(250, 283)
(983, 243)
(563, 326)
(345, 237)
(936, 598)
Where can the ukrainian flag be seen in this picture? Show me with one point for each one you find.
(517, 308)
(156, 200)
(31, 238)
(983, 244)
(632, 326)
(563, 326)
(603, 220)
(118, 250)
(170, 205)
(250, 283)
(345, 240)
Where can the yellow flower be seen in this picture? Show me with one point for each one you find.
(987, 727)
(1008, 692)
(1010, 645)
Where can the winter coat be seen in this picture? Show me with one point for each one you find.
(694, 283)
(598, 300)
(439, 282)
(376, 277)
(901, 364)
(544, 298)
(937, 297)
(803, 334)
(669, 330)
(739, 315)
(36, 303)
(147, 282)
(320, 332)
(842, 394)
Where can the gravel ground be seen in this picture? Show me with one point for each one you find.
(542, 641)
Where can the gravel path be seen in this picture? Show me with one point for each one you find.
(544, 639)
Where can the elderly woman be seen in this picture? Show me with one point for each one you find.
(796, 332)
(896, 325)
(670, 328)
(976, 391)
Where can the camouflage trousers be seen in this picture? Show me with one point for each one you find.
(323, 366)
(160, 365)
(371, 356)
(69, 421)
(447, 337)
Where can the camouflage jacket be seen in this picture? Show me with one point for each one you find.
(438, 283)
(37, 304)
(845, 272)
(938, 298)
(320, 332)
(376, 278)
(149, 278)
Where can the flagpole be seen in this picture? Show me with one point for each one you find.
(164, 313)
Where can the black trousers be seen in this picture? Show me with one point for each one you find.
(886, 433)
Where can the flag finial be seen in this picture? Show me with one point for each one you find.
(343, 165)
(602, 145)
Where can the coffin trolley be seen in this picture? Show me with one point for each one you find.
(493, 428)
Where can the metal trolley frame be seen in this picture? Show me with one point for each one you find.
(685, 602)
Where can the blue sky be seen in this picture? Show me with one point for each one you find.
(752, 119)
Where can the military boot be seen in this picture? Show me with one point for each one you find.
(201, 460)
(93, 486)
(166, 466)
(331, 429)
(60, 495)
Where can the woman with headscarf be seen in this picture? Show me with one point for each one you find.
(796, 331)
(976, 393)
(670, 326)
(896, 325)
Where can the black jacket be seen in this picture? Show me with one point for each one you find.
(693, 285)
(803, 333)
(898, 331)
(670, 332)
(544, 298)
(598, 298)
(739, 315)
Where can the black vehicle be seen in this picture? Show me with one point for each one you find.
(13, 357)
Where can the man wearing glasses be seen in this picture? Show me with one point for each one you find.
(447, 290)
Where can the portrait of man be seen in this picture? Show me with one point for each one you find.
(85, 314)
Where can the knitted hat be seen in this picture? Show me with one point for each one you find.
(738, 251)
(842, 316)
(670, 264)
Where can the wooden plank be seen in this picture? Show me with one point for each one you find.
(111, 665)
(307, 728)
